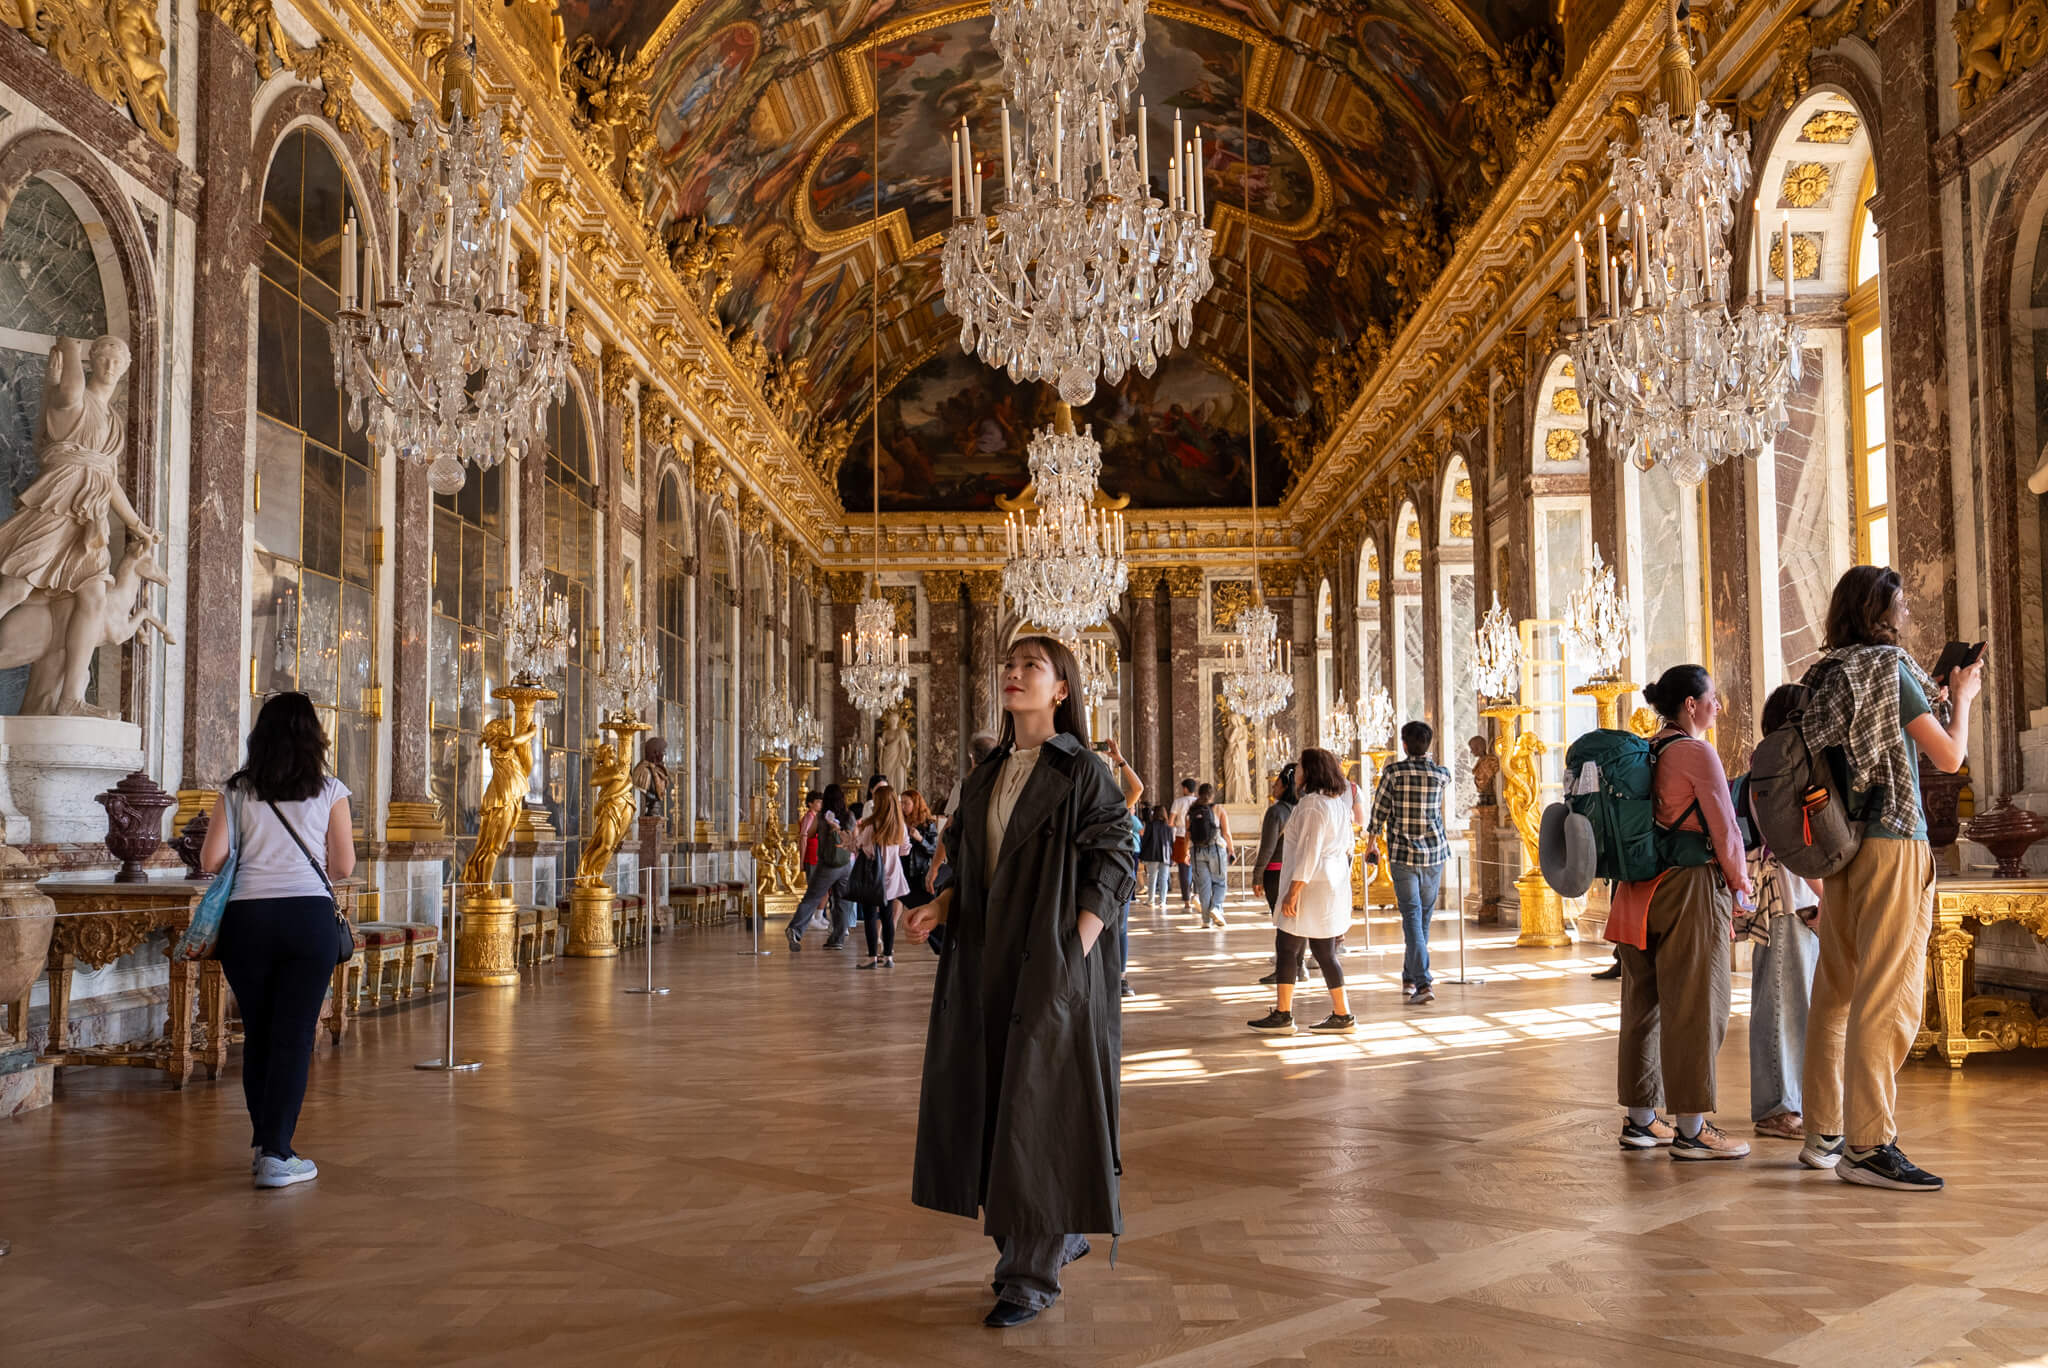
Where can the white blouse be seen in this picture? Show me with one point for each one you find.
(1002, 801)
(1318, 852)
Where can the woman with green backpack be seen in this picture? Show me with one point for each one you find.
(1673, 933)
(834, 831)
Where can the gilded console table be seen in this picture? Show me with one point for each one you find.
(98, 921)
(1971, 1024)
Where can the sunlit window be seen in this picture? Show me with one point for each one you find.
(1871, 453)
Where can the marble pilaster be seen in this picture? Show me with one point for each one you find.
(1732, 636)
(411, 816)
(1144, 611)
(985, 595)
(941, 741)
(1188, 709)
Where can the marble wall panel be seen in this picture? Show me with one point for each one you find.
(49, 277)
(1805, 569)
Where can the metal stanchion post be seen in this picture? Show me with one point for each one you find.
(1463, 979)
(448, 1063)
(647, 943)
(760, 910)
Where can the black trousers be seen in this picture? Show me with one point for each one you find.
(278, 955)
(871, 913)
(1269, 880)
(1287, 955)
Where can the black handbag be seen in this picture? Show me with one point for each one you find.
(864, 884)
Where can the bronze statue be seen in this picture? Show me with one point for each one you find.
(611, 813)
(1485, 769)
(511, 769)
(651, 777)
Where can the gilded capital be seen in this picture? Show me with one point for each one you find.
(846, 585)
(615, 374)
(1183, 581)
(1145, 580)
(943, 585)
(984, 587)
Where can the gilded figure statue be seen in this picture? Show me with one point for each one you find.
(611, 813)
(1520, 780)
(54, 550)
(511, 769)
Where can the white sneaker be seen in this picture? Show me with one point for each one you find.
(272, 1172)
(1219, 923)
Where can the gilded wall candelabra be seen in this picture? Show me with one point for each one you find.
(611, 818)
(486, 954)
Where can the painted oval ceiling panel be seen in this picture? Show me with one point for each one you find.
(765, 121)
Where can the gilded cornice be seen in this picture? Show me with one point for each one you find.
(1516, 253)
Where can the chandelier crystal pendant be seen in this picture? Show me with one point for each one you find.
(877, 656)
(1066, 568)
(1257, 680)
(1080, 272)
(443, 368)
(1668, 372)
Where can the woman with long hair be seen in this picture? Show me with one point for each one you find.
(1871, 699)
(834, 832)
(922, 826)
(1272, 841)
(1673, 933)
(1315, 899)
(1018, 1115)
(281, 934)
(883, 835)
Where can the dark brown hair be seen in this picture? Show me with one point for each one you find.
(1860, 610)
(287, 756)
(1676, 687)
(1321, 773)
(1068, 716)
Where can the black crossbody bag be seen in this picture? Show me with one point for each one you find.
(348, 938)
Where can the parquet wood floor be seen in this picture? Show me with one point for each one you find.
(720, 1176)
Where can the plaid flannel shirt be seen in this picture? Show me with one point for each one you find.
(1408, 805)
(1854, 703)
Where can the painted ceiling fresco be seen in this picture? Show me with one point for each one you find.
(765, 121)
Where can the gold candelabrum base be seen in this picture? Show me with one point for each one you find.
(774, 858)
(1606, 695)
(800, 772)
(486, 953)
(1378, 889)
(1518, 750)
(590, 904)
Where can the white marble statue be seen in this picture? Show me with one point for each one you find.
(54, 562)
(895, 758)
(1237, 760)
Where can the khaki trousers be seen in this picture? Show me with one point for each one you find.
(1674, 995)
(1868, 990)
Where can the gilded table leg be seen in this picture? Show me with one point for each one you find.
(1951, 949)
(213, 1011)
(184, 974)
(337, 1002)
(60, 1000)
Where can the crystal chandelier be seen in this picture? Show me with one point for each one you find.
(1066, 568)
(1098, 662)
(1373, 722)
(1081, 271)
(874, 659)
(1674, 378)
(625, 679)
(1596, 620)
(538, 638)
(1340, 728)
(1497, 656)
(1256, 679)
(877, 656)
(775, 726)
(443, 367)
(809, 739)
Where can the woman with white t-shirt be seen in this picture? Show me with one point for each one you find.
(280, 937)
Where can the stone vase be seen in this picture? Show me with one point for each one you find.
(2007, 832)
(27, 917)
(1939, 795)
(135, 824)
(187, 845)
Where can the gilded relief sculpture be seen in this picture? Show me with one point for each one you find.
(60, 596)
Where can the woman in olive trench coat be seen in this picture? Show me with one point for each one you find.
(1018, 1116)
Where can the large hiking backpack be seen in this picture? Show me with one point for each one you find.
(1801, 803)
(1610, 784)
(1202, 829)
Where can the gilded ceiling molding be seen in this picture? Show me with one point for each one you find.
(1800, 36)
(114, 46)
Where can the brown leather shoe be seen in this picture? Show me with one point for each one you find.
(1783, 1126)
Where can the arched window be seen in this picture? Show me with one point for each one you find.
(1866, 389)
(569, 552)
(720, 603)
(672, 638)
(466, 654)
(1457, 601)
(1560, 469)
(1372, 661)
(1409, 687)
(1326, 679)
(312, 582)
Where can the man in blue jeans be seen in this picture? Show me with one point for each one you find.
(1409, 806)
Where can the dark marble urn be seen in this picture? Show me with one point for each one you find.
(135, 824)
(2007, 832)
(187, 845)
(1940, 792)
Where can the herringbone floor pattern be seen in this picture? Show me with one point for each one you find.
(720, 1176)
